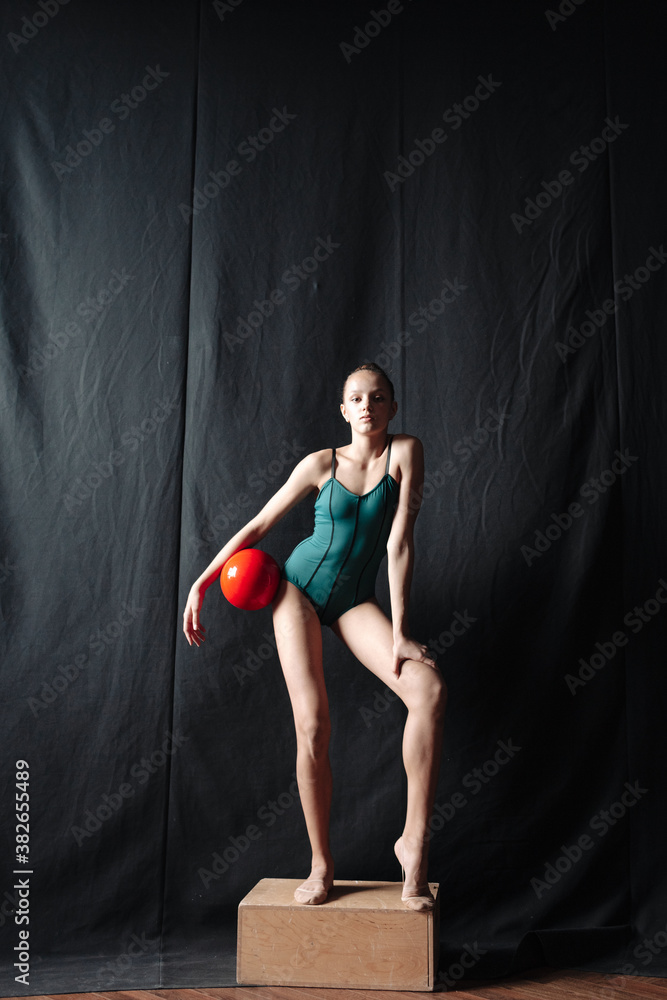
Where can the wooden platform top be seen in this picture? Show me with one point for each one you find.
(347, 894)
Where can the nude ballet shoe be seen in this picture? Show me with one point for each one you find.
(312, 891)
(421, 899)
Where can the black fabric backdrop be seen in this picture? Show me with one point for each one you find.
(189, 270)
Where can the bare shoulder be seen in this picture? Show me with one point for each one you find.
(406, 447)
(318, 460)
(407, 460)
(314, 466)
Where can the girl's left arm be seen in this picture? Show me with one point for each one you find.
(400, 553)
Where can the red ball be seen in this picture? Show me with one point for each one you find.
(249, 579)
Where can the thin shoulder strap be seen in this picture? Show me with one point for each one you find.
(386, 471)
(333, 463)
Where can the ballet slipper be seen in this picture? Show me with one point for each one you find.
(312, 891)
(420, 899)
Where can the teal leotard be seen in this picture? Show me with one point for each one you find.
(337, 565)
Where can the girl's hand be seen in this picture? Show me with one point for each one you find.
(409, 649)
(194, 631)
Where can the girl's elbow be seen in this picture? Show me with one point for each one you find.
(256, 529)
(260, 531)
(399, 549)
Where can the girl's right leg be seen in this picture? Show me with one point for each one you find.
(298, 635)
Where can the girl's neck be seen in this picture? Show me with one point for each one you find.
(366, 449)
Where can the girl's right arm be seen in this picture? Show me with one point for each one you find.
(303, 479)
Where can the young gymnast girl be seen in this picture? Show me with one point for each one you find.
(367, 500)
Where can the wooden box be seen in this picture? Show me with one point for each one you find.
(363, 937)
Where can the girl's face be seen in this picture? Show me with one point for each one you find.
(367, 404)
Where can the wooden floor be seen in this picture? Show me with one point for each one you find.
(545, 984)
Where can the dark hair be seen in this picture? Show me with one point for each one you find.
(370, 366)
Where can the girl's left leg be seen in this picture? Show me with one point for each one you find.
(367, 632)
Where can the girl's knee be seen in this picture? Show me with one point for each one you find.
(313, 734)
(430, 692)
